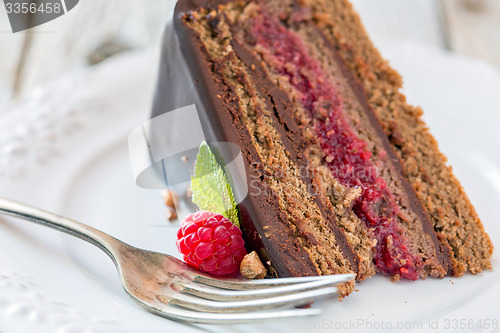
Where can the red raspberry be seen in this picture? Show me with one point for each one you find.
(211, 243)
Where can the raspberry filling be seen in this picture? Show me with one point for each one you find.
(346, 155)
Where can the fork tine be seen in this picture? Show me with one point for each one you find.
(238, 284)
(198, 304)
(225, 295)
(180, 314)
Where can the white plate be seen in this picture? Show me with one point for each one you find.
(65, 150)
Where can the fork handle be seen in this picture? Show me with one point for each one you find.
(100, 239)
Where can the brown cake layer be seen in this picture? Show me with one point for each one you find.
(302, 213)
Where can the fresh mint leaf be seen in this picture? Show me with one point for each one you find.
(210, 188)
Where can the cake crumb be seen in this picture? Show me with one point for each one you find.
(395, 278)
(251, 267)
(170, 198)
(171, 214)
(353, 194)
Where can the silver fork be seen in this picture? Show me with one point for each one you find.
(170, 288)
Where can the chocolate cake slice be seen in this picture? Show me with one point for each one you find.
(343, 175)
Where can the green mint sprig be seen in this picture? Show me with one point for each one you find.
(210, 188)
